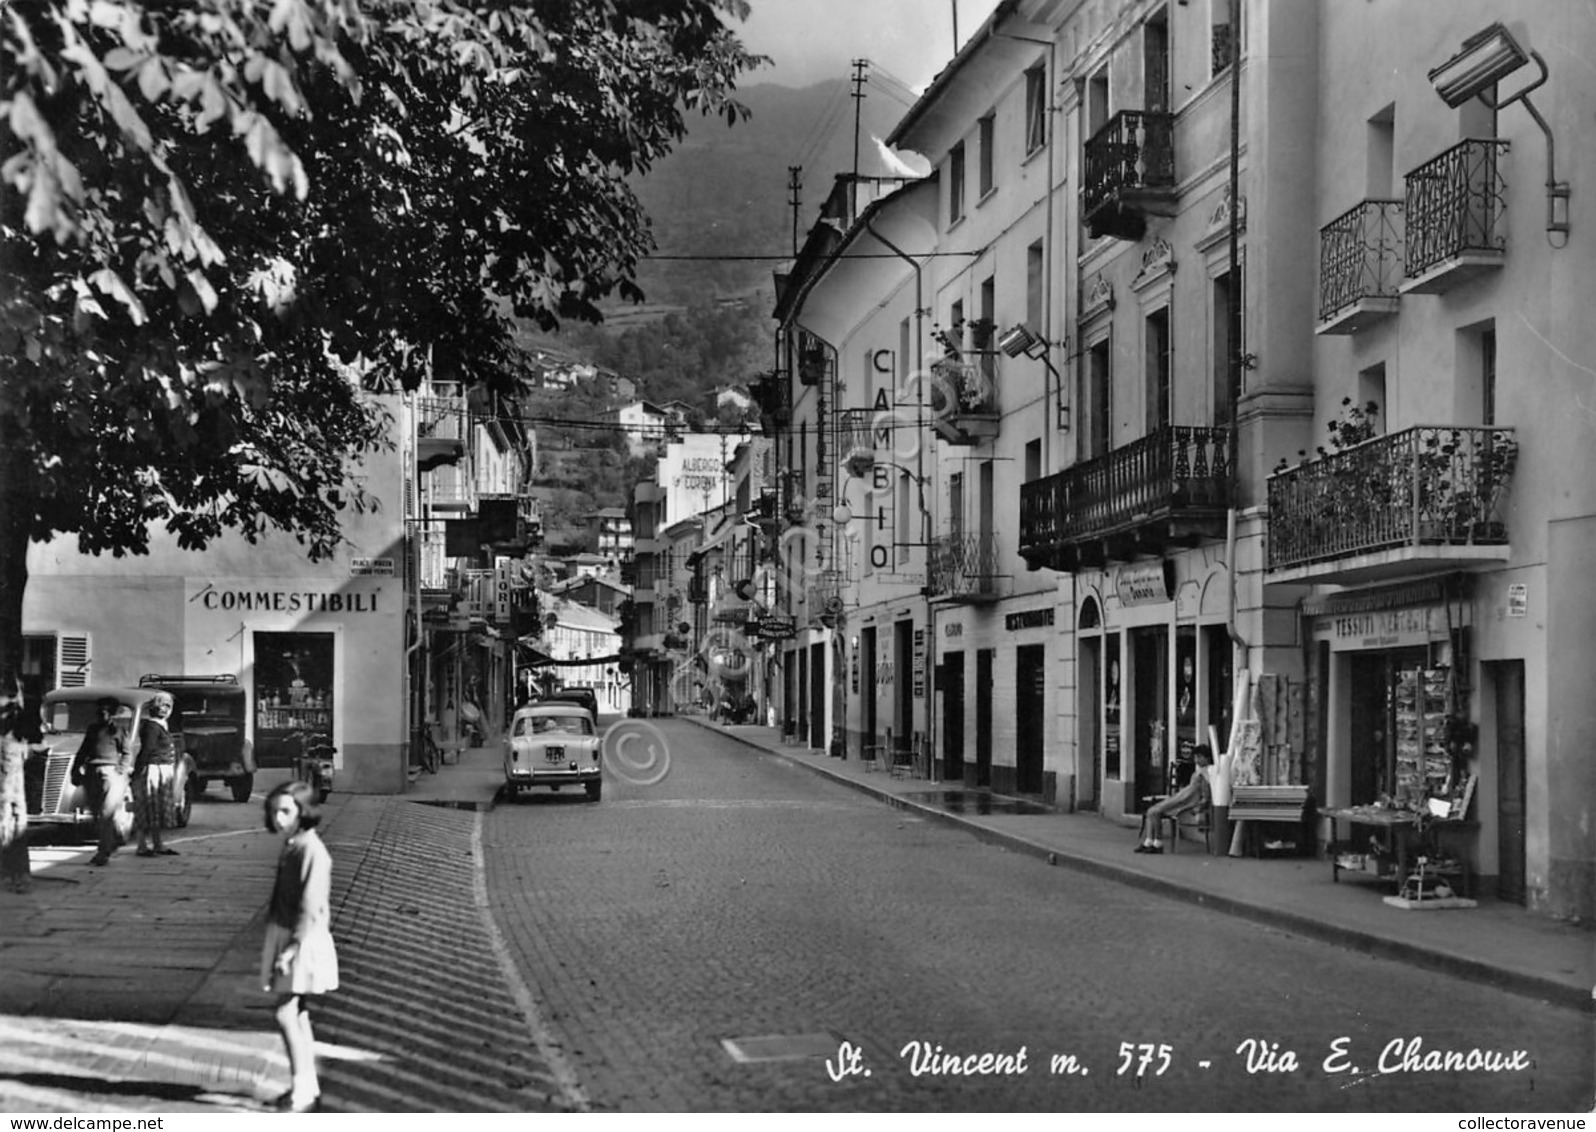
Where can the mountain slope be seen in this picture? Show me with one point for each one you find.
(724, 190)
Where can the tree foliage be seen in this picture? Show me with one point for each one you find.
(221, 222)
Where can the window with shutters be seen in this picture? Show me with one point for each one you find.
(72, 659)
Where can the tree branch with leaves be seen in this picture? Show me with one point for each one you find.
(223, 224)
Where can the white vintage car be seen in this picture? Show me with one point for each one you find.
(555, 745)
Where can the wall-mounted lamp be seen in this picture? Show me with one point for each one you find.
(1485, 59)
(1021, 339)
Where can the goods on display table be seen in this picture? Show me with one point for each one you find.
(1406, 847)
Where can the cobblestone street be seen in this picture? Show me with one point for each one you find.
(744, 898)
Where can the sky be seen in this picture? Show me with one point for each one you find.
(810, 41)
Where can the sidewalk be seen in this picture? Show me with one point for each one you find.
(1494, 943)
(134, 988)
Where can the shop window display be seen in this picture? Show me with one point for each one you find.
(293, 694)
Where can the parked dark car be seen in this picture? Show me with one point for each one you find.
(211, 722)
(67, 715)
(587, 697)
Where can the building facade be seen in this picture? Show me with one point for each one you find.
(1448, 529)
(1193, 400)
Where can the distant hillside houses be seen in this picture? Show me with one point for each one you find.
(612, 531)
(647, 425)
(595, 591)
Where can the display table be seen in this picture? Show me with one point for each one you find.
(1392, 840)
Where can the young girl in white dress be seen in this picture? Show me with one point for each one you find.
(298, 960)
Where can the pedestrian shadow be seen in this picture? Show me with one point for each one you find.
(131, 1088)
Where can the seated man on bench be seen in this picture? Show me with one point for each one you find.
(1195, 795)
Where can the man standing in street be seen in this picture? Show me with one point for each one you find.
(102, 766)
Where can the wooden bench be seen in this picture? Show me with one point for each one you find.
(1272, 805)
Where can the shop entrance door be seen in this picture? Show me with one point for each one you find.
(1186, 695)
(983, 717)
(1030, 667)
(1395, 700)
(903, 687)
(1149, 654)
(867, 685)
(803, 696)
(789, 694)
(1087, 696)
(1508, 677)
(1367, 728)
(953, 716)
(817, 696)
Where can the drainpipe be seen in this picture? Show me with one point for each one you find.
(1239, 650)
(919, 465)
(1238, 642)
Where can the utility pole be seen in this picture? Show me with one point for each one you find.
(858, 96)
(954, 4)
(794, 188)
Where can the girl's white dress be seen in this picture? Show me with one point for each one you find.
(301, 913)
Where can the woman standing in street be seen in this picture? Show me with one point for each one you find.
(298, 960)
(154, 771)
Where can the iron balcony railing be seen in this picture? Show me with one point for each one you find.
(1135, 150)
(1173, 470)
(1427, 485)
(1360, 256)
(1455, 204)
(964, 566)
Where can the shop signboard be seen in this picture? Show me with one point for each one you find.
(919, 663)
(1518, 600)
(776, 628)
(1383, 629)
(1028, 619)
(901, 579)
(1142, 584)
(501, 590)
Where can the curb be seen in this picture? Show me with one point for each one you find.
(1473, 970)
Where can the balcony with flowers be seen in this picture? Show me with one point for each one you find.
(964, 388)
(1427, 498)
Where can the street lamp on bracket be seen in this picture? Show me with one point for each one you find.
(1484, 60)
(1020, 340)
